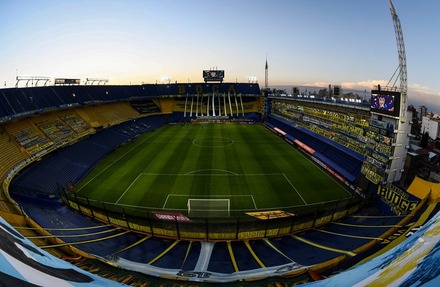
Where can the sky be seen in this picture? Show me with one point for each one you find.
(305, 42)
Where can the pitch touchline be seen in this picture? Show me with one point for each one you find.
(165, 203)
(292, 206)
(332, 178)
(295, 189)
(255, 205)
(93, 178)
(128, 188)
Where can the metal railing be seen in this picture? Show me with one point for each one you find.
(238, 226)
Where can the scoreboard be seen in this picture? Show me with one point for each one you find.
(59, 81)
(213, 75)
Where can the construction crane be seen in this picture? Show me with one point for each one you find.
(402, 59)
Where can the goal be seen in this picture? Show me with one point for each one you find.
(218, 207)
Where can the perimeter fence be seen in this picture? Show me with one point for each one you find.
(240, 225)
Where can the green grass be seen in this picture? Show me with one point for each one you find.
(247, 164)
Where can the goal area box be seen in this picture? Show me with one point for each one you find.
(209, 207)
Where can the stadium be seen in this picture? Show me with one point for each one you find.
(210, 183)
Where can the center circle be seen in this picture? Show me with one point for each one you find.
(213, 142)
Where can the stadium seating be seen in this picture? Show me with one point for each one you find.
(108, 138)
(117, 122)
(47, 178)
(16, 102)
(347, 162)
(10, 154)
(75, 122)
(69, 165)
(129, 249)
(27, 135)
(3, 113)
(342, 126)
(85, 153)
(220, 260)
(55, 130)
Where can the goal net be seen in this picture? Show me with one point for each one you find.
(208, 207)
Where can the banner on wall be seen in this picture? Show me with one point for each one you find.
(265, 215)
(391, 198)
(171, 216)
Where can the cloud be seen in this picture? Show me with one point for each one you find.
(424, 96)
(417, 94)
(423, 92)
(363, 85)
(318, 84)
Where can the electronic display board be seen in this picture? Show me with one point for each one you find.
(59, 81)
(213, 75)
(385, 102)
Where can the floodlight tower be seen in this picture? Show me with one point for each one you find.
(402, 58)
(390, 123)
(402, 125)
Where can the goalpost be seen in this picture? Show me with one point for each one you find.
(209, 207)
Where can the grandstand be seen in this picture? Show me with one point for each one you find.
(53, 137)
(211, 183)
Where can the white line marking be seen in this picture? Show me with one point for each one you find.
(165, 203)
(93, 178)
(210, 195)
(294, 189)
(128, 188)
(326, 173)
(227, 173)
(221, 170)
(254, 202)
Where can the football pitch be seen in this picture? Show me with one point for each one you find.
(246, 166)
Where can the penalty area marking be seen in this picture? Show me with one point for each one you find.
(200, 173)
(210, 196)
(225, 172)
